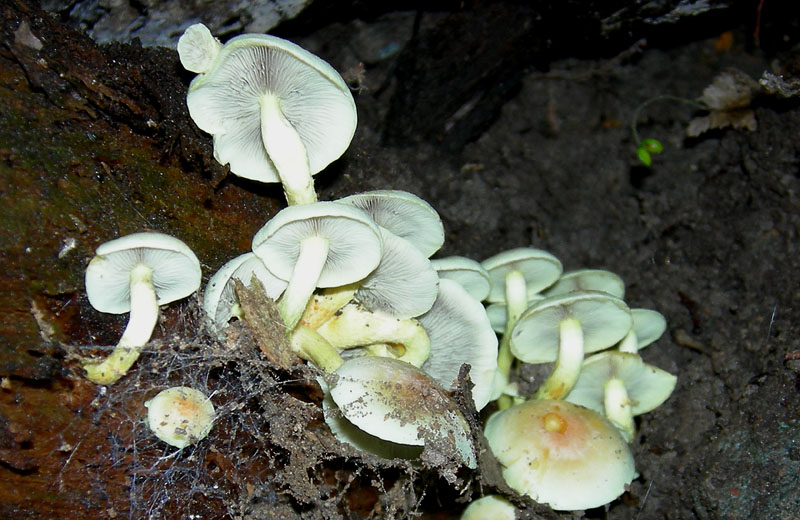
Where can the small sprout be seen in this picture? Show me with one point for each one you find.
(180, 416)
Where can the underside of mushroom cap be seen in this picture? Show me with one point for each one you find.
(175, 269)
(604, 320)
(539, 268)
(313, 98)
(219, 297)
(404, 214)
(404, 284)
(355, 244)
(647, 386)
(460, 332)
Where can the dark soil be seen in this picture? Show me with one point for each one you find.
(95, 142)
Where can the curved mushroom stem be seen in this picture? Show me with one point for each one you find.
(287, 152)
(568, 364)
(309, 345)
(617, 407)
(321, 307)
(355, 326)
(305, 275)
(516, 301)
(142, 321)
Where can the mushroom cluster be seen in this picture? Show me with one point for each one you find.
(390, 328)
(351, 278)
(573, 433)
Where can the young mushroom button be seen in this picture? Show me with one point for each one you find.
(324, 244)
(137, 273)
(277, 112)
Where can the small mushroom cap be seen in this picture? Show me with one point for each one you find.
(355, 247)
(540, 269)
(404, 214)
(647, 386)
(219, 296)
(460, 333)
(560, 454)
(604, 319)
(588, 280)
(175, 270)
(313, 98)
(404, 284)
(467, 272)
(397, 402)
(197, 48)
(648, 325)
(180, 415)
(490, 507)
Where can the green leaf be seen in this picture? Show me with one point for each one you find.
(644, 156)
(652, 145)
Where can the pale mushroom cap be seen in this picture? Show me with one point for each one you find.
(175, 270)
(540, 269)
(588, 280)
(460, 333)
(604, 320)
(313, 98)
(219, 296)
(648, 325)
(560, 454)
(180, 415)
(647, 386)
(397, 402)
(490, 507)
(467, 272)
(355, 247)
(404, 214)
(404, 284)
(197, 48)
(351, 434)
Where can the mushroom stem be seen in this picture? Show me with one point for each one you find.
(142, 321)
(617, 406)
(516, 301)
(355, 326)
(321, 307)
(630, 343)
(568, 363)
(287, 152)
(309, 345)
(305, 275)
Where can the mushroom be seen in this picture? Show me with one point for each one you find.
(180, 416)
(404, 284)
(219, 299)
(197, 48)
(399, 403)
(490, 507)
(588, 280)
(277, 112)
(621, 386)
(467, 272)
(563, 328)
(460, 332)
(324, 244)
(560, 454)
(648, 326)
(517, 276)
(137, 273)
(404, 214)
